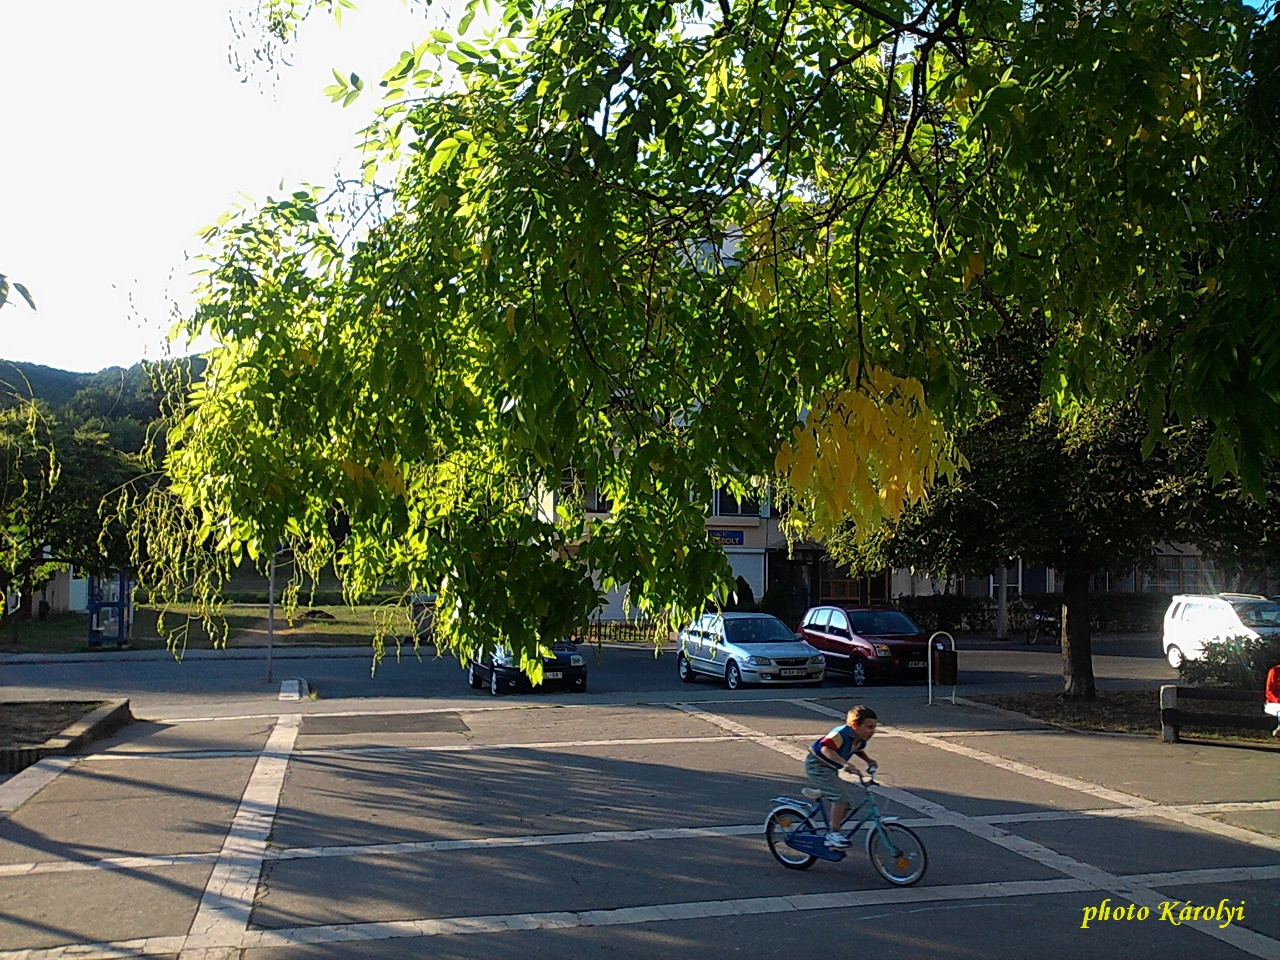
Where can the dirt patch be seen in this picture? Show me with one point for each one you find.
(1113, 711)
(30, 724)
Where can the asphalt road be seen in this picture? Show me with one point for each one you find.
(153, 681)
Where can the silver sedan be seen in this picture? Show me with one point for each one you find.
(743, 648)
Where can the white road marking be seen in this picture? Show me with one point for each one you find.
(107, 863)
(1013, 766)
(475, 706)
(1237, 936)
(596, 836)
(1187, 818)
(142, 947)
(223, 914)
(431, 748)
(1163, 809)
(1037, 731)
(655, 913)
(488, 843)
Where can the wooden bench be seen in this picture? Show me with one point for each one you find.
(1248, 716)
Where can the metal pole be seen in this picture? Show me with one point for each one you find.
(929, 668)
(271, 611)
(1002, 604)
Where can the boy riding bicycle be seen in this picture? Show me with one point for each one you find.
(829, 755)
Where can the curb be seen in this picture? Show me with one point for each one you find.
(105, 720)
(156, 656)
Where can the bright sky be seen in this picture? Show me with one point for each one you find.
(124, 130)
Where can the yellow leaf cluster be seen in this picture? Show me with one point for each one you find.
(864, 452)
(356, 472)
(390, 476)
(974, 267)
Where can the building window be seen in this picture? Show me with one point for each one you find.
(593, 501)
(1183, 574)
(727, 505)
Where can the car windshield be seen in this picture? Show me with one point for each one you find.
(756, 630)
(881, 623)
(1258, 613)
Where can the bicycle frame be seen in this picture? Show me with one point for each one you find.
(814, 841)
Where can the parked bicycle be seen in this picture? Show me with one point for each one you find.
(1045, 624)
(796, 831)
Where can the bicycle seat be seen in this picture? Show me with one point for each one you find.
(812, 793)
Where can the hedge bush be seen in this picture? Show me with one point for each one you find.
(1240, 663)
(1111, 612)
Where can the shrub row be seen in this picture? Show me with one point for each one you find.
(1111, 612)
(1240, 663)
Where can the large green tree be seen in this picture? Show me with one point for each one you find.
(657, 247)
(56, 482)
(1076, 493)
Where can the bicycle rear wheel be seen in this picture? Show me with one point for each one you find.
(784, 821)
(897, 854)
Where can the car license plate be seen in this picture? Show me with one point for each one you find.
(552, 675)
(915, 665)
(794, 672)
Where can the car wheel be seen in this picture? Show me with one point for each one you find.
(732, 676)
(685, 669)
(473, 678)
(1176, 659)
(859, 671)
(493, 683)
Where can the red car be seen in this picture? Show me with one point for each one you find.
(867, 643)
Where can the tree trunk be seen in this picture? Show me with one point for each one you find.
(26, 604)
(1077, 643)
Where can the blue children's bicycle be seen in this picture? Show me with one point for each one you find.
(796, 831)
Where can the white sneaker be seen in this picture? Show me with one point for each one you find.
(838, 841)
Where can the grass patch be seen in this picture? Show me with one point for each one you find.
(336, 625)
(1116, 711)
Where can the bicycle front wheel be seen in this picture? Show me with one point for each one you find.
(897, 854)
(781, 823)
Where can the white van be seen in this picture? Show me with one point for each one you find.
(1193, 619)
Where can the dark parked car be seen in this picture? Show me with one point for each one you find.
(868, 643)
(500, 670)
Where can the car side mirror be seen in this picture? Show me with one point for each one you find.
(799, 634)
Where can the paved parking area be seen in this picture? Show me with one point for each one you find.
(565, 828)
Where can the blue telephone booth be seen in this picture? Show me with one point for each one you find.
(110, 609)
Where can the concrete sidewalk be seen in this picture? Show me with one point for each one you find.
(556, 827)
